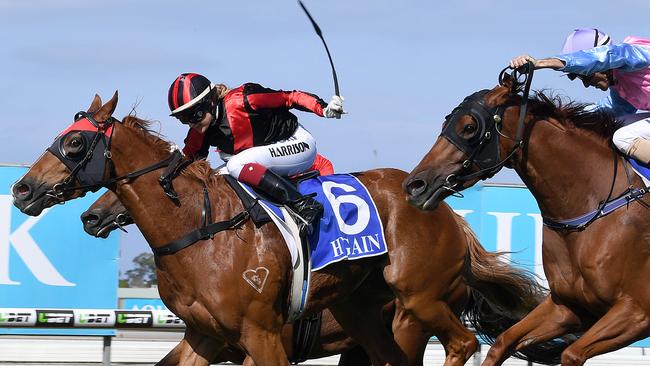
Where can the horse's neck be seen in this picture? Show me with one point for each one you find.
(157, 217)
(568, 170)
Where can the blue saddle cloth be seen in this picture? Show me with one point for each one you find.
(642, 169)
(350, 227)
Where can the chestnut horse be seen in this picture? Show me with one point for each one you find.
(597, 265)
(107, 214)
(434, 265)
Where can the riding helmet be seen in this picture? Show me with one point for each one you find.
(187, 90)
(585, 38)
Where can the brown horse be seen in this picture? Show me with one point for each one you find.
(107, 214)
(435, 266)
(597, 266)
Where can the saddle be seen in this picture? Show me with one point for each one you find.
(257, 213)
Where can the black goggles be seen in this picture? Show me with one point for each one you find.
(193, 115)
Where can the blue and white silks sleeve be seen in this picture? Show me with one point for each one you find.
(622, 56)
(614, 104)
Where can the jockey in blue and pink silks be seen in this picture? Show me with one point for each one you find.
(623, 68)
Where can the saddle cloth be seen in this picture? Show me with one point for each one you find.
(642, 170)
(350, 227)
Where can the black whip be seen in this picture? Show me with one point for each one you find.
(320, 34)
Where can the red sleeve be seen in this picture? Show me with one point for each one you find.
(323, 165)
(260, 98)
(194, 145)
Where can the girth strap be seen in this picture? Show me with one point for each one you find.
(581, 222)
(203, 233)
(305, 334)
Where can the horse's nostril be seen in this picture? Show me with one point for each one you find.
(416, 186)
(21, 190)
(89, 218)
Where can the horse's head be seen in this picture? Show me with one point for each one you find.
(76, 162)
(477, 140)
(105, 215)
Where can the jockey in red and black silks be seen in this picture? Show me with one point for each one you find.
(255, 133)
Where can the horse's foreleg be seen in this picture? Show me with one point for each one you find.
(458, 341)
(623, 324)
(547, 321)
(363, 322)
(194, 349)
(410, 335)
(263, 346)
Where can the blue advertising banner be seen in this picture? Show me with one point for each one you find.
(507, 218)
(50, 262)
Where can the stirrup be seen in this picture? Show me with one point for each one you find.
(301, 222)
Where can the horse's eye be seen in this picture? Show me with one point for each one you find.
(469, 129)
(73, 146)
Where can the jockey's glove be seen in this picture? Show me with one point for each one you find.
(334, 108)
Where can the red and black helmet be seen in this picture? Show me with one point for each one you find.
(186, 91)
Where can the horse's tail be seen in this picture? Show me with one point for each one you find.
(500, 296)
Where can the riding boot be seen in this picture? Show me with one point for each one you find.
(284, 193)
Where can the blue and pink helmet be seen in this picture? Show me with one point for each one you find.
(585, 38)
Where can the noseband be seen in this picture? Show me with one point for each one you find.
(482, 150)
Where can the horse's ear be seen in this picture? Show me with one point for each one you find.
(497, 96)
(94, 106)
(107, 109)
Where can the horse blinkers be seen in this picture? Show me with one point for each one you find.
(481, 146)
(84, 151)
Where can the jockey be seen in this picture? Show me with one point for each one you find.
(258, 138)
(624, 68)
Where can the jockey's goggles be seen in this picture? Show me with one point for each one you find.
(193, 115)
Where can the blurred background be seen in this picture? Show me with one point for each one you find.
(402, 65)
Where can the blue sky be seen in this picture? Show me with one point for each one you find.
(402, 65)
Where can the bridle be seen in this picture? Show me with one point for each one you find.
(482, 150)
(89, 172)
(81, 172)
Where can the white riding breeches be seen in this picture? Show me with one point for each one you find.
(288, 157)
(636, 126)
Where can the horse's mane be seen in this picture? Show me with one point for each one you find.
(574, 114)
(199, 169)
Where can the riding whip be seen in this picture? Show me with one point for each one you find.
(320, 34)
